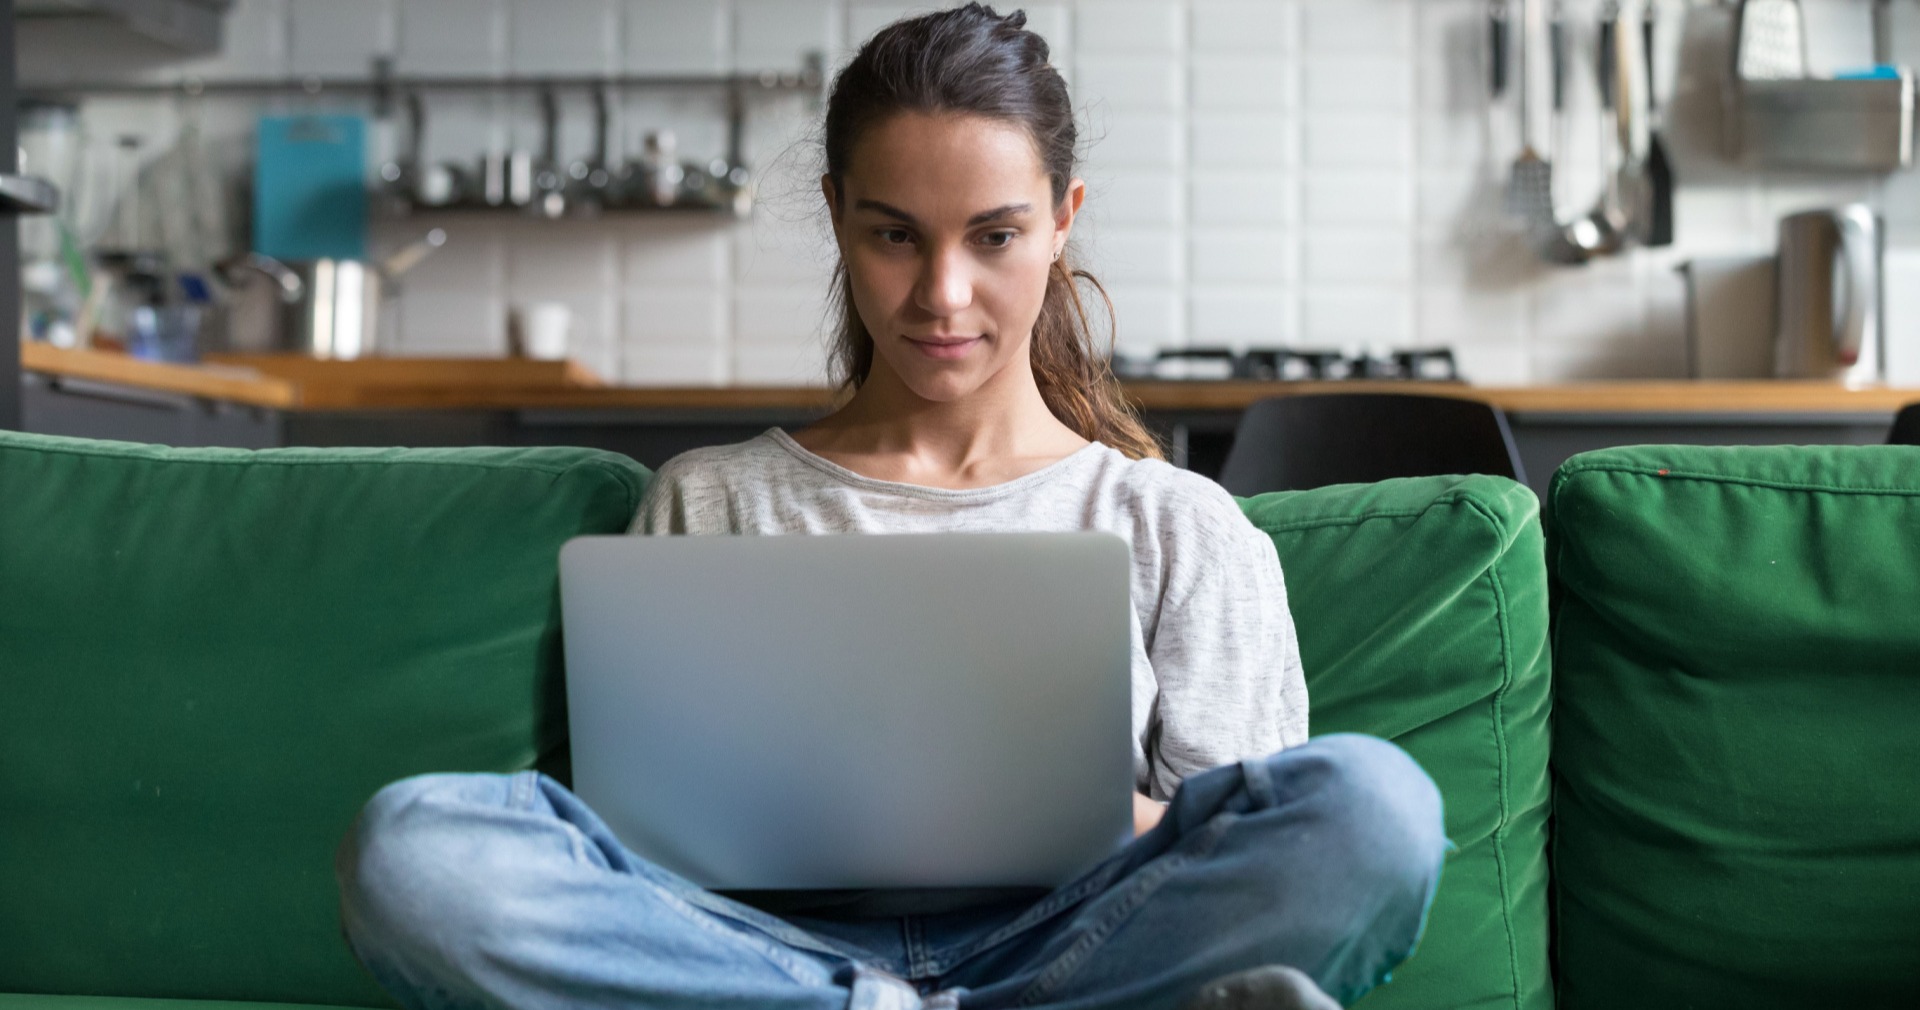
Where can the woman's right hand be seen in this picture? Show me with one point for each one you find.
(1146, 814)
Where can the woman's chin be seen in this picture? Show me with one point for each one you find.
(940, 381)
(944, 388)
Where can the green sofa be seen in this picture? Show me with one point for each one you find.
(210, 658)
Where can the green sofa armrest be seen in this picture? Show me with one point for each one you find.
(1421, 607)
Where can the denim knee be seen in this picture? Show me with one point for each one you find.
(410, 866)
(1375, 807)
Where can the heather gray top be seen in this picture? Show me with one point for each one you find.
(1216, 666)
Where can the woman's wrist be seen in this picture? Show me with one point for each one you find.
(1146, 813)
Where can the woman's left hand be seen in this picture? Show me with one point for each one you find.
(1146, 814)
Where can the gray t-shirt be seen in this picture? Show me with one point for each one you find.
(1216, 666)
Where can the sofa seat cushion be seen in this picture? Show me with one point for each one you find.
(213, 657)
(1736, 755)
(1421, 607)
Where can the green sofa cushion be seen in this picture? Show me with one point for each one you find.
(1737, 765)
(1422, 614)
(214, 656)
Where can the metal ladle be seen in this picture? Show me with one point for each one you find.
(1555, 242)
(1603, 231)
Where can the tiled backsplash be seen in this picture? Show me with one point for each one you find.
(1313, 172)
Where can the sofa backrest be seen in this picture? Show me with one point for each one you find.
(212, 657)
(1421, 606)
(1736, 757)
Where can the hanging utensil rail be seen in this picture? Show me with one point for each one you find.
(384, 82)
(384, 87)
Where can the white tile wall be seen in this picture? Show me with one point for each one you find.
(1312, 171)
(1148, 27)
(864, 19)
(255, 43)
(338, 37)
(1244, 26)
(1359, 26)
(676, 36)
(1267, 82)
(466, 37)
(1244, 313)
(563, 37)
(1135, 83)
(771, 33)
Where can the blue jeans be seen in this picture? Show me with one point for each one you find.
(462, 891)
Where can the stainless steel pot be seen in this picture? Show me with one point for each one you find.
(328, 308)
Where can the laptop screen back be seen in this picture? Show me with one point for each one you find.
(902, 710)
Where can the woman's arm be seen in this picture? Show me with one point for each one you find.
(1224, 651)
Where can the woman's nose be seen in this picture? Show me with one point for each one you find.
(946, 285)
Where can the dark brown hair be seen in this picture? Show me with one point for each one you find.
(971, 60)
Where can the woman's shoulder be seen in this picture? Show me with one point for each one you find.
(700, 490)
(711, 465)
(1174, 497)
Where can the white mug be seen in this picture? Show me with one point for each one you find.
(546, 329)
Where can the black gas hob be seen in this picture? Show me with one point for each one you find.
(1290, 364)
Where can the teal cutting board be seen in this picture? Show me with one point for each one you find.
(309, 187)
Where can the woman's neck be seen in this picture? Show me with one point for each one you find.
(1001, 431)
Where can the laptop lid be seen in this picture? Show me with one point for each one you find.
(840, 711)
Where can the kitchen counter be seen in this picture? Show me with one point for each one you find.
(306, 384)
(263, 401)
(303, 383)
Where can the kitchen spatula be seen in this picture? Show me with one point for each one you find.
(1530, 181)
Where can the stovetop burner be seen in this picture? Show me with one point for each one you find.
(1287, 363)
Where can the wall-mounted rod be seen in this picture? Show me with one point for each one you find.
(804, 80)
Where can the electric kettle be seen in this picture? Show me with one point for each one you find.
(1827, 320)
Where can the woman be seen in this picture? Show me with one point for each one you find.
(977, 403)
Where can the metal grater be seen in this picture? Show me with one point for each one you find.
(1772, 40)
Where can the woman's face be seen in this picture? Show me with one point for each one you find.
(947, 228)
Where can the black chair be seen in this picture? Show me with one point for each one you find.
(1291, 443)
(1906, 426)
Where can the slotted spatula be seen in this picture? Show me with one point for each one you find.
(1530, 180)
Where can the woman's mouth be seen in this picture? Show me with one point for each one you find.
(945, 348)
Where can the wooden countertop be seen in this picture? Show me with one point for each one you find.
(296, 383)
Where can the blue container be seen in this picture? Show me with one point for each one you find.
(309, 187)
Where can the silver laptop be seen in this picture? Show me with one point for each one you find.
(853, 711)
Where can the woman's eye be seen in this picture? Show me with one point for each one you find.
(998, 239)
(895, 236)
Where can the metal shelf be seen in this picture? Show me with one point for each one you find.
(26, 194)
(384, 207)
(386, 88)
(382, 84)
(184, 27)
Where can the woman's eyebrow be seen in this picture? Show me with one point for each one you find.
(981, 218)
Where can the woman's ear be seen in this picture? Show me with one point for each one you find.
(832, 196)
(833, 202)
(1068, 209)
